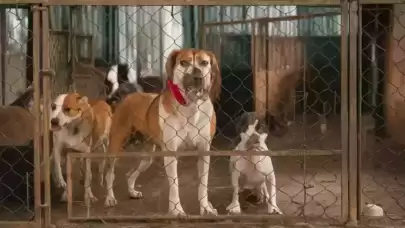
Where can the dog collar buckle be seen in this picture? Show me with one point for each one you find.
(174, 89)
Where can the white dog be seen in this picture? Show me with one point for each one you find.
(79, 125)
(258, 171)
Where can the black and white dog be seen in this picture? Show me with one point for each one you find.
(257, 170)
(118, 75)
(122, 80)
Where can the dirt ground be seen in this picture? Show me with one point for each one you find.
(318, 187)
(314, 191)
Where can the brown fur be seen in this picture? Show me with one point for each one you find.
(17, 127)
(281, 94)
(137, 112)
(185, 54)
(140, 111)
(95, 112)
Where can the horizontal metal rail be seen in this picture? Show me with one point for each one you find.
(275, 153)
(269, 219)
(272, 19)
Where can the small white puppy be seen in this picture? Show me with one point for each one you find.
(373, 210)
(257, 171)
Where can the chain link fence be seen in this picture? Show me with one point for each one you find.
(381, 105)
(334, 141)
(281, 62)
(17, 117)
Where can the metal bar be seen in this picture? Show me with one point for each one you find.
(3, 51)
(269, 219)
(201, 21)
(69, 186)
(37, 111)
(20, 224)
(46, 89)
(253, 43)
(272, 19)
(361, 130)
(344, 110)
(280, 153)
(191, 2)
(353, 112)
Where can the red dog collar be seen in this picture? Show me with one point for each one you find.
(176, 92)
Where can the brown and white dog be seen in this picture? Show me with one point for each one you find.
(181, 116)
(82, 126)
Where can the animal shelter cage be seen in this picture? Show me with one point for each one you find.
(331, 72)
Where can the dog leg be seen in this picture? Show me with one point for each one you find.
(234, 207)
(170, 163)
(272, 207)
(101, 166)
(57, 169)
(88, 194)
(110, 200)
(203, 172)
(133, 176)
(262, 193)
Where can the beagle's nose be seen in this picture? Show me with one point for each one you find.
(197, 81)
(196, 72)
(54, 121)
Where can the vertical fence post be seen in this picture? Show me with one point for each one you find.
(344, 110)
(353, 113)
(37, 110)
(46, 73)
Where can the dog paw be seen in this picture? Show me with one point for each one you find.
(233, 209)
(274, 210)
(133, 194)
(64, 197)
(208, 209)
(177, 211)
(90, 199)
(110, 201)
(61, 184)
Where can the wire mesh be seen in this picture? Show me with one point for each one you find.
(17, 150)
(281, 62)
(381, 154)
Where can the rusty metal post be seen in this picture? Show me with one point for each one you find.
(344, 111)
(353, 113)
(201, 21)
(69, 186)
(37, 110)
(361, 133)
(46, 75)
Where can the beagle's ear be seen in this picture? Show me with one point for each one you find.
(83, 99)
(170, 63)
(216, 79)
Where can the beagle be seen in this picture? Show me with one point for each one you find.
(258, 171)
(80, 125)
(181, 116)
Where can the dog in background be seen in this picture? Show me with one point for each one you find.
(80, 125)
(180, 116)
(122, 80)
(257, 171)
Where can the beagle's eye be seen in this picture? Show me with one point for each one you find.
(53, 107)
(67, 109)
(184, 63)
(204, 63)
